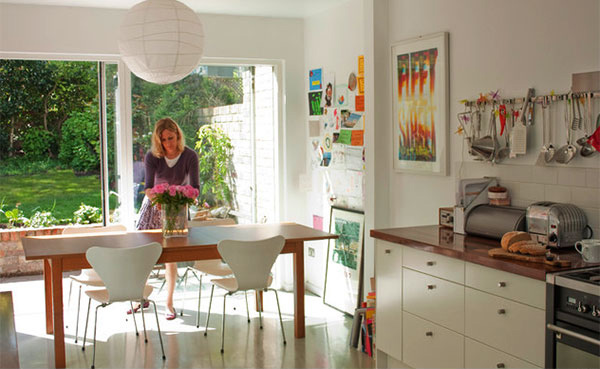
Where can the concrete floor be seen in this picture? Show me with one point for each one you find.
(246, 346)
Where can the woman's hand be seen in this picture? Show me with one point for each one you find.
(150, 195)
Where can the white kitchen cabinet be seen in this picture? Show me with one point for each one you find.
(478, 355)
(428, 345)
(434, 299)
(509, 326)
(434, 264)
(388, 263)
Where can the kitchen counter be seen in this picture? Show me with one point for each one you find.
(444, 241)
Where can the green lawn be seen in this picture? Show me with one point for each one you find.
(57, 190)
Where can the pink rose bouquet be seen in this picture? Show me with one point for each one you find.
(174, 196)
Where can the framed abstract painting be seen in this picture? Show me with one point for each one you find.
(343, 271)
(420, 104)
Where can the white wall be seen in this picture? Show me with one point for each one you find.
(510, 45)
(333, 40)
(71, 30)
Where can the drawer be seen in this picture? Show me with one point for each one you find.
(478, 355)
(434, 264)
(434, 299)
(428, 345)
(509, 326)
(388, 279)
(511, 286)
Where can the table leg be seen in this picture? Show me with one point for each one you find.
(299, 328)
(57, 300)
(258, 295)
(48, 296)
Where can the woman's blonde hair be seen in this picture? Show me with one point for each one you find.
(166, 124)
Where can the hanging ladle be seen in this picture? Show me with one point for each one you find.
(566, 153)
(586, 148)
(550, 152)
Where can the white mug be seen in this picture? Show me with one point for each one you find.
(589, 250)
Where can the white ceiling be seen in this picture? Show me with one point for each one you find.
(266, 8)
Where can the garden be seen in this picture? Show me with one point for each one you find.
(50, 140)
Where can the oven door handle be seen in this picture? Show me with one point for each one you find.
(580, 336)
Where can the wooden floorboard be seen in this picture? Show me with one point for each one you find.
(9, 353)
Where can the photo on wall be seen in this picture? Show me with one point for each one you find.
(344, 260)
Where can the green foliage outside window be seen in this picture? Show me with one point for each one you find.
(215, 152)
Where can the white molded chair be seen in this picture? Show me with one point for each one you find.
(87, 277)
(216, 268)
(124, 272)
(251, 263)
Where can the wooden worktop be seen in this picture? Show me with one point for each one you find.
(444, 241)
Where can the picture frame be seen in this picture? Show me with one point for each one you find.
(420, 114)
(343, 270)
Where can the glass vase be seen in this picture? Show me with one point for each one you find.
(174, 221)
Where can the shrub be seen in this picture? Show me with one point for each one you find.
(41, 219)
(214, 165)
(18, 166)
(37, 143)
(80, 143)
(87, 215)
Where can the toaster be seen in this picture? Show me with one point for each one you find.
(556, 224)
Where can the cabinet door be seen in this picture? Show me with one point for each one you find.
(437, 265)
(388, 274)
(509, 326)
(478, 355)
(434, 299)
(428, 345)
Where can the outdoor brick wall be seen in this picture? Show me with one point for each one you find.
(234, 120)
(12, 257)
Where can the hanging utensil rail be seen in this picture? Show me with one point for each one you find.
(536, 99)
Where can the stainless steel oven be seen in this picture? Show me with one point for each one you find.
(573, 319)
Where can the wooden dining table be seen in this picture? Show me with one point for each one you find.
(67, 252)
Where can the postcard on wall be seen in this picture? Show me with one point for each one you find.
(344, 260)
(314, 103)
(338, 156)
(420, 115)
(315, 79)
(359, 103)
(318, 222)
(361, 85)
(341, 96)
(353, 157)
(328, 86)
(353, 121)
(345, 136)
(357, 138)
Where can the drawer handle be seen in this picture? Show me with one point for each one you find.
(501, 284)
(429, 334)
(500, 365)
(430, 263)
(431, 286)
(388, 251)
(501, 311)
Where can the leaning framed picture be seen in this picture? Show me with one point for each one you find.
(420, 104)
(344, 260)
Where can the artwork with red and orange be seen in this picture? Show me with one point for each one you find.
(416, 105)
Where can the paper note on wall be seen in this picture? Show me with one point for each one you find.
(314, 128)
(361, 85)
(357, 138)
(337, 156)
(359, 103)
(318, 222)
(345, 136)
(361, 65)
(315, 79)
(353, 158)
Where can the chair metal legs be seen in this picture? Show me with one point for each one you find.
(142, 302)
(258, 299)
(87, 318)
(133, 316)
(209, 306)
(247, 310)
(223, 328)
(280, 320)
(78, 304)
(199, 299)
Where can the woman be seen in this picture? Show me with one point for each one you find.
(169, 161)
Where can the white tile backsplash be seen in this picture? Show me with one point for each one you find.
(557, 193)
(532, 191)
(586, 197)
(572, 176)
(516, 173)
(592, 178)
(545, 175)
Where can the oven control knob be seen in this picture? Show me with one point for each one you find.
(582, 308)
(553, 238)
(595, 311)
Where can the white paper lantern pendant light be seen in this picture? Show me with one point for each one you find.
(161, 41)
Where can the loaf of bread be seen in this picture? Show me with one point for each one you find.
(515, 236)
(527, 248)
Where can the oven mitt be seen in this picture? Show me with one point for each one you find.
(594, 139)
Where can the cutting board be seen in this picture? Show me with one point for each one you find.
(504, 254)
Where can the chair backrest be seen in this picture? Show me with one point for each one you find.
(124, 271)
(211, 222)
(110, 228)
(251, 261)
